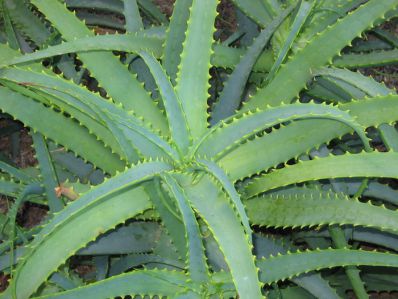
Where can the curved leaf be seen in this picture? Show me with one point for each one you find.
(121, 83)
(230, 97)
(215, 209)
(229, 134)
(83, 220)
(193, 76)
(292, 264)
(173, 106)
(297, 210)
(358, 165)
(318, 52)
(195, 253)
(143, 282)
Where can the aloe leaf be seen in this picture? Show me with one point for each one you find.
(10, 188)
(358, 165)
(132, 16)
(16, 173)
(218, 173)
(127, 129)
(131, 42)
(195, 254)
(295, 210)
(118, 85)
(372, 59)
(230, 97)
(170, 217)
(105, 5)
(292, 264)
(12, 215)
(215, 209)
(318, 52)
(387, 36)
(29, 24)
(33, 113)
(173, 106)
(47, 172)
(312, 281)
(9, 28)
(255, 10)
(223, 56)
(364, 83)
(300, 137)
(141, 282)
(193, 76)
(228, 134)
(152, 11)
(299, 20)
(97, 211)
(175, 37)
(137, 237)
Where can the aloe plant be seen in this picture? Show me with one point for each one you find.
(168, 194)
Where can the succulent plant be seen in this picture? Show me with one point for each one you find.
(171, 187)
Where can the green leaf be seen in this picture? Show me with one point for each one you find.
(300, 137)
(131, 42)
(12, 215)
(214, 207)
(318, 52)
(121, 82)
(227, 135)
(132, 16)
(137, 237)
(195, 254)
(170, 217)
(26, 21)
(152, 11)
(292, 264)
(142, 282)
(218, 173)
(118, 129)
(173, 106)
(16, 173)
(231, 95)
(175, 37)
(10, 188)
(104, 5)
(97, 211)
(301, 17)
(47, 172)
(360, 81)
(8, 26)
(255, 10)
(313, 282)
(358, 165)
(193, 76)
(372, 59)
(295, 209)
(32, 114)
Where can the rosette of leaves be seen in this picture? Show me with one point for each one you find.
(175, 190)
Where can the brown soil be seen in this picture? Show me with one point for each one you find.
(4, 282)
(166, 6)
